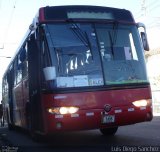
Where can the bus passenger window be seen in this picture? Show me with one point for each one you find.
(5, 86)
(15, 72)
(19, 70)
(24, 60)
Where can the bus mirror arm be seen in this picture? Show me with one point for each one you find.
(143, 34)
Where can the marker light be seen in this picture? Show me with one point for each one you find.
(73, 110)
(140, 103)
(63, 110)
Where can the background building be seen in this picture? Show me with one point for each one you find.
(153, 67)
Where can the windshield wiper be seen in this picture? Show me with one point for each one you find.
(79, 33)
(83, 36)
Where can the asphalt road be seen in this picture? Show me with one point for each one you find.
(139, 137)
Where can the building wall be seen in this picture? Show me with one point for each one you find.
(153, 68)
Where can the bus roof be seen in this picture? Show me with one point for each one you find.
(83, 12)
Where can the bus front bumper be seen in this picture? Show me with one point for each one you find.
(97, 118)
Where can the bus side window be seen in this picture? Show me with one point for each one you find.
(15, 72)
(19, 67)
(5, 86)
(24, 61)
(19, 70)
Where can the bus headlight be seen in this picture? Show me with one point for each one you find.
(140, 103)
(63, 110)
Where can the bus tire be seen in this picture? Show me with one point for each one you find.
(10, 126)
(36, 137)
(109, 131)
(28, 116)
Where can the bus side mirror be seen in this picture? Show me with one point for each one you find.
(144, 41)
(142, 30)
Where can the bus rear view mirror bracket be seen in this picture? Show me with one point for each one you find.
(144, 41)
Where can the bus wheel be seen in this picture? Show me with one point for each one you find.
(36, 137)
(10, 126)
(109, 131)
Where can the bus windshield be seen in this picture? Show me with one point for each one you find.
(95, 54)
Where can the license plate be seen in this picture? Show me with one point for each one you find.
(108, 119)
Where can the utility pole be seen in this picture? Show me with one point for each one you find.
(5, 57)
(143, 8)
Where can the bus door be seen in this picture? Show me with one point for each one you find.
(17, 93)
(10, 79)
(25, 88)
(35, 112)
(20, 93)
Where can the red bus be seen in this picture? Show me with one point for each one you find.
(79, 68)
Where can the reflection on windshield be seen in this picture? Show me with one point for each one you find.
(96, 54)
(76, 51)
(123, 60)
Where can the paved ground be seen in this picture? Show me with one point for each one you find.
(140, 137)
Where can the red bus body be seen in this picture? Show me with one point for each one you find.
(31, 105)
(92, 107)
